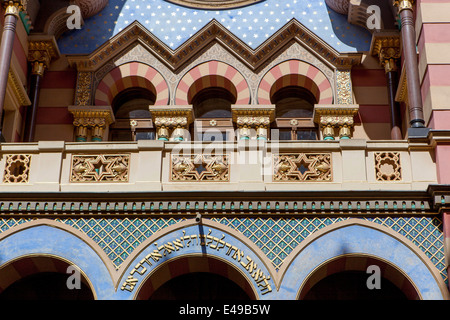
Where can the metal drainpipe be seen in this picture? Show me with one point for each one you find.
(412, 70)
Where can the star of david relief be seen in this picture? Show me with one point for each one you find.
(302, 167)
(214, 4)
(100, 168)
(200, 168)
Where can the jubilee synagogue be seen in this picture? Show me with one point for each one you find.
(244, 149)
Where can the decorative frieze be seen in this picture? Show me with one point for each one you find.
(100, 168)
(303, 167)
(84, 89)
(387, 166)
(344, 90)
(17, 169)
(201, 168)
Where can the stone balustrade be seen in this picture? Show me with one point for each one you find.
(250, 165)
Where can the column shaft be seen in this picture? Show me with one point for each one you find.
(30, 124)
(6, 49)
(396, 117)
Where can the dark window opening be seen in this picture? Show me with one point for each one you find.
(46, 286)
(202, 287)
(352, 285)
(294, 102)
(294, 112)
(212, 110)
(214, 102)
(133, 117)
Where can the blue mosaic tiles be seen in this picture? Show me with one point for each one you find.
(276, 237)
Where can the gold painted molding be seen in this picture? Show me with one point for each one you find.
(19, 91)
(214, 4)
(214, 32)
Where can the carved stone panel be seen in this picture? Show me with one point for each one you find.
(17, 168)
(100, 168)
(204, 168)
(387, 166)
(304, 167)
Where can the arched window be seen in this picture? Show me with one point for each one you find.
(212, 110)
(133, 118)
(294, 113)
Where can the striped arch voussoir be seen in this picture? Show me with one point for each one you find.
(295, 73)
(131, 75)
(212, 73)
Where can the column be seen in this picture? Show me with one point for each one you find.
(91, 121)
(12, 11)
(37, 72)
(405, 8)
(253, 118)
(41, 50)
(172, 122)
(336, 120)
(387, 46)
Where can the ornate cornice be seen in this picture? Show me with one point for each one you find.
(347, 203)
(41, 51)
(18, 89)
(251, 116)
(334, 110)
(92, 115)
(172, 116)
(402, 91)
(387, 46)
(214, 32)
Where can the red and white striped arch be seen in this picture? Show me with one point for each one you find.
(212, 74)
(132, 75)
(295, 73)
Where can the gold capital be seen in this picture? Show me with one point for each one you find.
(41, 51)
(404, 4)
(14, 7)
(38, 68)
(387, 46)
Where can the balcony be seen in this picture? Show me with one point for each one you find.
(247, 165)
